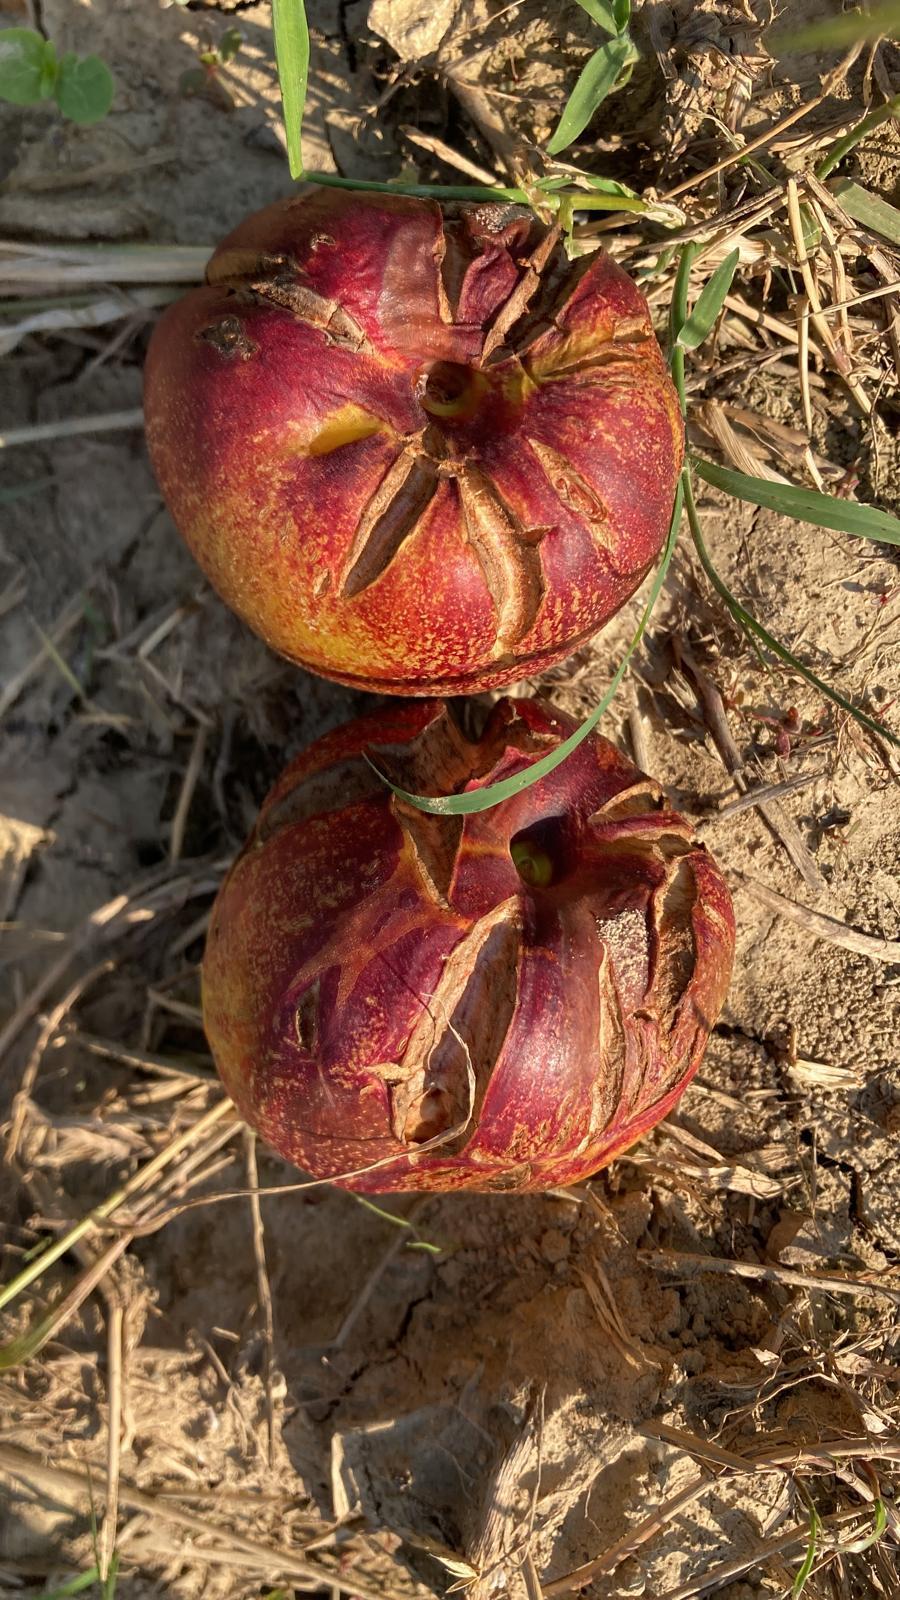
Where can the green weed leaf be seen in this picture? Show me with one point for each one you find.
(699, 324)
(678, 305)
(230, 43)
(192, 81)
(806, 505)
(84, 88)
(878, 215)
(755, 629)
(611, 186)
(441, 191)
(607, 194)
(852, 137)
(76, 1585)
(605, 67)
(859, 1545)
(799, 1583)
(292, 58)
(23, 61)
(837, 33)
(456, 805)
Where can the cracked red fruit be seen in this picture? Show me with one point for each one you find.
(502, 1001)
(417, 450)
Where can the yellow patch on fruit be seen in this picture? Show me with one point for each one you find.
(347, 426)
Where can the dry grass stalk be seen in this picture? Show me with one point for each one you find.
(438, 147)
(136, 307)
(27, 1345)
(229, 1545)
(822, 926)
(186, 794)
(25, 267)
(141, 1181)
(157, 895)
(820, 1456)
(690, 1265)
(264, 1290)
(48, 1033)
(802, 309)
(745, 150)
(767, 791)
(794, 1541)
(69, 427)
(838, 355)
(115, 1336)
(735, 448)
(69, 617)
(773, 813)
(706, 1167)
(143, 1060)
(501, 1542)
(193, 1168)
(840, 298)
(764, 320)
(600, 1294)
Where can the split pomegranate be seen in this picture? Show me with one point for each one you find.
(417, 450)
(502, 1001)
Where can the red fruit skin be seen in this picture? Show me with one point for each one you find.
(289, 401)
(392, 1007)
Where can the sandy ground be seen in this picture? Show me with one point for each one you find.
(315, 1387)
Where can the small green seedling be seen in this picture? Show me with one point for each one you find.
(30, 71)
(204, 80)
(608, 69)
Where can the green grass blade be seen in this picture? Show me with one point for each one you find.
(799, 1583)
(76, 1585)
(457, 805)
(610, 202)
(605, 194)
(596, 81)
(877, 1531)
(756, 630)
(678, 311)
(416, 1243)
(678, 305)
(710, 301)
(109, 1582)
(292, 59)
(878, 215)
(21, 491)
(837, 33)
(423, 191)
(867, 124)
(60, 663)
(19, 1351)
(805, 505)
(610, 186)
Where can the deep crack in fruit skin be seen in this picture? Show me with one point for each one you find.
(416, 450)
(530, 987)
